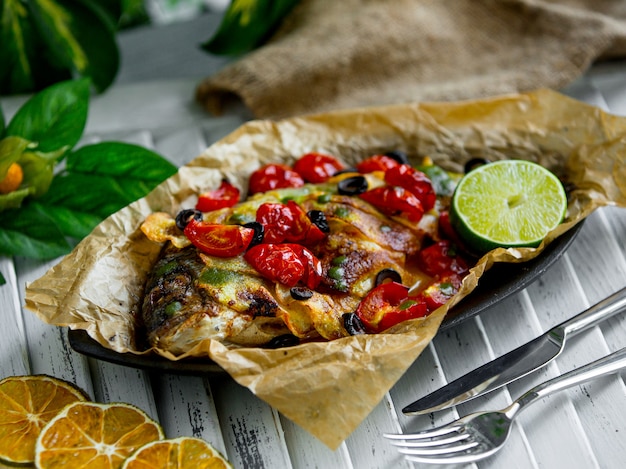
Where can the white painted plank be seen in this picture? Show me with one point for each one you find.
(186, 408)
(49, 349)
(251, 428)
(13, 348)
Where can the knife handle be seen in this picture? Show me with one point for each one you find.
(593, 315)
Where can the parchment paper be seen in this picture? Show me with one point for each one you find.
(329, 388)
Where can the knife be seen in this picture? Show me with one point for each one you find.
(519, 362)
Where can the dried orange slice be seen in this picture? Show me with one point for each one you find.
(94, 435)
(27, 404)
(178, 453)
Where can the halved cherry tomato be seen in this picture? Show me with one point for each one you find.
(317, 167)
(376, 163)
(226, 195)
(219, 240)
(273, 176)
(395, 200)
(387, 305)
(441, 259)
(285, 263)
(287, 222)
(413, 181)
(438, 293)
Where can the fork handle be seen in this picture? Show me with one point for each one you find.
(607, 365)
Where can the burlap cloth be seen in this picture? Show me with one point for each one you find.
(333, 54)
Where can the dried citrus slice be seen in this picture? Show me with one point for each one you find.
(508, 203)
(179, 453)
(94, 435)
(27, 404)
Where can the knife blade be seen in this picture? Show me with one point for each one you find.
(519, 362)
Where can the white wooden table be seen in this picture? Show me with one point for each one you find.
(584, 427)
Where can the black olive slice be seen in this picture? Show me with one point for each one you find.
(474, 163)
(285, 340)
(318, 218)
(185, 216)
(398, 155)
(352, 186)
(387, 274)
(345, 171)
(301, 293)
(259, 232)
(353, 324)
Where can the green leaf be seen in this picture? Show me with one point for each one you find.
(2, 279)
(31, 234)
(81, 37)
(246, 25)
(72, 223)
(54, 118)
(13, 199)
(105, 177)
(17, 51)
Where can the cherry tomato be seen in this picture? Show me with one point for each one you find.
(413, 181)
(288, 264)
(441, 259)
(287, 222)
(317, 167)
(219, 240)
(438, 293)
(394, 200)
(387, 305)
(376, 163)
(273, 176)
(226, 195)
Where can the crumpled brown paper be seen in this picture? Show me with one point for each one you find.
(329, 388)
(331, 54)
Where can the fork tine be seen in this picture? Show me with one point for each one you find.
(434, 432)
(439, 450)
(424, 443)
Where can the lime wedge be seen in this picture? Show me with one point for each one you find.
(509, 203)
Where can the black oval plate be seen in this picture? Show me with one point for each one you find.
(499, 282)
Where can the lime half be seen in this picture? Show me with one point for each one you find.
(509, 203)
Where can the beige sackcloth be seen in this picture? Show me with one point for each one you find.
(333, 54)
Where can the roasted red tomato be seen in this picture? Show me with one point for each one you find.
(395, 200)
(389, 304)
(219, 240)
(226, 195)
(273, 176)
(376, 163)
(441, 291)
(413, 181)
(288, 264)
(441, 259)
(287, 222)
(317, 167)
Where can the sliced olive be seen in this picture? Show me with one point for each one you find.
(345, 171)
(319, 219)
(474, 163)
(259, 232)
(387, 274)
(353, 324)
(285, 340)
(399, 156)
(352, 186)
(185, 216)
(301, 293)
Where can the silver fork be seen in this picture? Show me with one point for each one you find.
(481, 434)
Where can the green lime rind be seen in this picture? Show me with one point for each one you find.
(508, 203)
